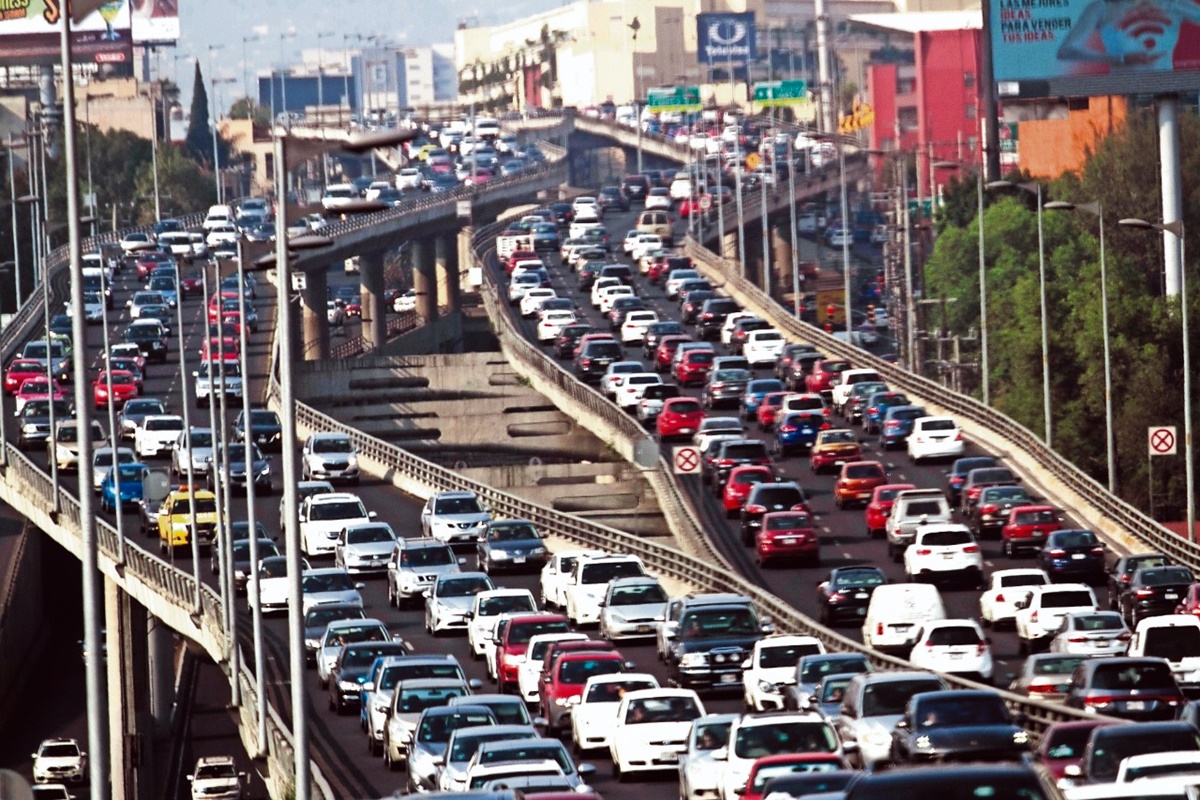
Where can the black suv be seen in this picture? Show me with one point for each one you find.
(712, 316)
(737, 453)
(568, 339)
(1122, 572)
(610, 197)
(265, 429)
(957, 726)
(1154, 591)
(711, 642)
(635, 188)
(623, 272)
(767, 497)
(592, 362)
(689, 309)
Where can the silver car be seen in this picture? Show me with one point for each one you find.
(454, 517)
(872, 704)
(410, 698)
(699, 772)
(364, 547)
(633, 606)
(449, 600)
(329, 585)
(463, 744)
(414, 565)
(1092, 633)
(341, 633)
(434, 729)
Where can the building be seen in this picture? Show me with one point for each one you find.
(427, 77)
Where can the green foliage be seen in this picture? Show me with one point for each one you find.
(1145, 330)
(199, 132)
(183, 186)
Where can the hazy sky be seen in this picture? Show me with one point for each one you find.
(226, 22)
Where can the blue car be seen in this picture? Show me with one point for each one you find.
(877, 405)
(1073, 555)
(755, 391)
(797, 430)
(897, 424)
(132, 478)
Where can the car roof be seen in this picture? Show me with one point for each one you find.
(332, 497)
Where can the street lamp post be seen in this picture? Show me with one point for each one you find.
(1176, 227)
(216, 151)
(246, 76)
(1098, 210)
(283, 73)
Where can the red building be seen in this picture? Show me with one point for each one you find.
(929, 105)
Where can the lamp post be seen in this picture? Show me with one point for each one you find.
(346, 37)
(1176, 227)
(1036, 189)
(246, 75)
(216, 150)
(1098, 210)
(87, 139)
(154, 160)
(283, 73)
(321, 100)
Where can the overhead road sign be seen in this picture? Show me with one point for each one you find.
(780, 93)
(674, 98)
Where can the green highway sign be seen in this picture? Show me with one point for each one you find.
(675, 98)
(780, 93)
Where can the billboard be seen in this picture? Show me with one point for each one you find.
(155, 21)
(1063, 48)
(726, 38)
(30, 33)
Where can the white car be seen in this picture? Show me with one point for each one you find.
(589, 583)
(633, 329)
(222, 234)
(216, 778)
(588, 206)
(136, 240)
(699, 772)
(1179, 764)
(595, 715)
(763, 348)
(677, 276)
(998, 603)
(600, 286)
(328, 585)
(954, 646)
(462, 745)
(944, 550)
(731, 321)
(448, 602)
(632, 387)
(533, 299)
(934, 437)
(644, 243)
(142, 299)
(659, 199)
(59, 761)
(322, 518)
(617, 371)
(557, 572)
(157, 433)
(1092, 633)
(490, 605)
(771, 665)
(754, 735)
(520, 284)
(273, 583)
(364, 547)
(340, 633)
(633, 607)
(612, 294)
(454, 517)
(520, 758)
(93, 307)
(334, 313)
(405, 302)
(530, 670)
(1039, 614)
(652, 729)
(102, 462)
(631, 237)
(329, 456)
(552, 323)
(408, 178)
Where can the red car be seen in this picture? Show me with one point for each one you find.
(190, 283)
(880, 507)
(694, 367)
(664, 354)
(222, 349)
(520, 255)
(353, 308)
(1063, 745)
(565, 682)
(21, 370)
(768, 767)
(38, 388)
(1191, 601)
(680, 416)
(768, 409)
(787, 534)
(124, 387)
(857, 481)
(510, 650)
(1027, 527)
(741, 480)
(226, 294)
(824, 373)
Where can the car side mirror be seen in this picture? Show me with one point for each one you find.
(190, 778)
(474, 684)
(720, 754)
(1022, 603)
(1073, 771)
(740, 790)
(850, 747)
(462, 560)
(425, 593)
(372, 514)
(369, 686)
(360, 586)
(481, 539)
(902, 725)
(746, 664)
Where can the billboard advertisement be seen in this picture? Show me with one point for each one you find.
(726, 38)
(155, 21)
(1057, 48)
(30, 31)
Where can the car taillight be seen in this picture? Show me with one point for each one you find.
(879, 629)
(756, 509)
(958, 436)
(1097, 550)
(1042, 688)
(971, 548)
(585, 362)
(1098, 700)
(1077, 639)
(1125, 578)
(1058, 551)
(987, 509)
(787, 428)
(827, 411)
(872, 410)
(1144, 592)
(1124, 636)
(1033, 617)
(891, 423)
(725, 462)
(924, 551)
(982, 648)
(999, 598)
(837, 597)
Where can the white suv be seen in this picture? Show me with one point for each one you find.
(59, 761)
(216, 778)
(1039, 615)
(322, 517)
(757, 735)
(330, 456)
(956, 647)
(454, 517)
(588, 584)
(772, 662)
(944, 551)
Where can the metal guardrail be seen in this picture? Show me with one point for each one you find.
(357, 345)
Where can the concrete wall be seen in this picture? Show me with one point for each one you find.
(22, 629)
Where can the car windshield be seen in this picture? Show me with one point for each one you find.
(427, 557)
(1172, 643)
(438, 727)
(337, 509)
(1067, 599)
(59, 750)
(457, 505)
(888, 698)
(207, 772)
(715, 623)
(938, 425)
(200, 439)
(947, 712)
(271, 568)
(1140, 676)
(1103, 622)
(1056, 665)
(371, 534)
(414, 701)
(535, 751)
(463, 587)
(342, 635)
(636, 595)
(604, 572)
(838, 437)
(813, 669)
(923, 508)
(1164, 576)
(504, 604)
(1005, 494)
(756, 741)
(1067, 742)
(132, 474)
(661, 709)
(785, 655)
(861, 471)
(320, 616)
(263, 418)
(1042, 517)
(952, 636)
(775, 495)
(323, 445)
(947, 538)
(859, 578)
(1073, 539)
(408, 672)
(611, 691)
(512, 533)
(578, 670)
(464, 747)
(326, 582)
(364, 655)
(731, 376)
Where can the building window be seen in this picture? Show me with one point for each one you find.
(972, 143)
(906, 85)
(969, 80)
(907, 119)
(971, 113)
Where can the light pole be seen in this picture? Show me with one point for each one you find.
(154, 159)
(246, 75)
(216, 150)
(1098, 210)
(321, 99)
(1176, 227)
(1036, 189)
(283, 73)
(87, 139)
(346, 37)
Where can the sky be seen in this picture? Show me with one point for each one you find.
(224, 23)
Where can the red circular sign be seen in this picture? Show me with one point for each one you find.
(687, 459)
(1162, 441)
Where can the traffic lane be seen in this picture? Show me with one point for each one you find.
(211, 728)
(844, 540)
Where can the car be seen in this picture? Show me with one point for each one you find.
(431, 736)
(364, 547)
(63, 447)
(229, 469)
(104, 458)
(977, 480)
(273, 584)
(461, 748)
(833, 448)
(455, 517)
(699, 771)
(1132, 688)
(754, 736)
(959, 725)
(1123, 569)
(710, 642)
(679, 417)
(564, 677)
(594, 717)
(414, 565)
(766, 498)
(192, 450)
(762, 347)
(42, 389)
(874, 702)
(1174, 637)
(1027, 526)
(879, 507)
(934, 437)
(944, 550)
(529, 670)
(411, 697)
(111, 386)
(216, 778)
(954, 647)
(771, 666)
(341, 632)
(157, 434)
(651, 725)
(631, 387)
(796, 430)
(725, 387)
(523, 759)
(994, 507)
(958, 781)
(587, 585)
(59, 760)
(845, 594)
(824, 373)
(768, 768)
(130, 478)
(53, 356)
(487, 608)
(1091, 633)
(513, 634)
(897, 424)
(756, 391)
(854, 409)
(632, 607)
(1108, 745)
(370, 674)
(1045, 676)
(1154, 591)
(787, 535)
(21, 370)
(595, 355)
(997, 604)
(741, 479)
(857, 481)
(692, 367)
(329, 456)
(328, 585)
(911, 508)
(448, 601)
(1072, 554)
(510, 544)
(266, 430)
(1042, 611)
(1062, 746)
(323, 516)
(557, 572)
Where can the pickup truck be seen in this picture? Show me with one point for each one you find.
(845, 381)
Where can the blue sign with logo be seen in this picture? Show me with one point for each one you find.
(726, 38)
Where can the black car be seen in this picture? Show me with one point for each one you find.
(563, 213)
(241, 554)
(765, 498)
(712, 316)
(725, 387)
(611, 199)
(710, 644)
(568, 338)
(736, 453)
(588, 272)
(693, 301)
(1109, 745)
(635, 188)
(1073, 555)
(802, 364)
(266, 430)
(350, 670)
(621, 308)
(235, 455)
(622, 272)
(34, 423)
(784, 363)
(1137, 689)
(994, 504)
(1122, 572)
(953, 782)
(1154, 591)
(957, 475)
(317, 620)
(846, 593)
(592, 362)
(958, 726)
(657, 330)
(151, 343)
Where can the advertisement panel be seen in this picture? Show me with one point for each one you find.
(155, 21)
(1054, 48)
(726, 38)
(30, 30)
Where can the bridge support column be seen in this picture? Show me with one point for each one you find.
(730, 246)
(446, 260)
(753, 265)
(781, 244)
(314, 313)
(131, 739)
(161, 645)
(424, 280)
(374, 307)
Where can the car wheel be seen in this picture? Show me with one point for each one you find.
(373, 747)
(391, 765)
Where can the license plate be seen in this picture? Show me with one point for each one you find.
(787, 541)
(864, 495)
(1171, 596)
(838, 463)
(667, 758)
(1135, 705)
(956, 655)
(901, 628)
(518, 559)
(645, 628)
(1078, 556)
(860, 596)
(729, 677)
(947, 556)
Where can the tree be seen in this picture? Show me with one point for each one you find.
(199, 132)
(246, 108)
(183, 187)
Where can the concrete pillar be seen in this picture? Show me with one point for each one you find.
(161, 647)
(314, 302)
(781, 243)
(424, 280)
(730, 248)
(753, 265)
(131, 737)
(446, 260)
(374, 307)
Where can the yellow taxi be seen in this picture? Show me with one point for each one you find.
(175, 518)
(833, 448)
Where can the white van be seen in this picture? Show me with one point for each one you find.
(486, 128)
(1175, 637)
(217, 215)
(896, 614)
(338, 195)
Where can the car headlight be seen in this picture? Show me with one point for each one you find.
(29, 428)
(692, 660)
(512, 660)
(768, 687)
(266, 470)
(349, 686)
(923, 743)
(538, 551)
(352, 460)
(499, 555)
